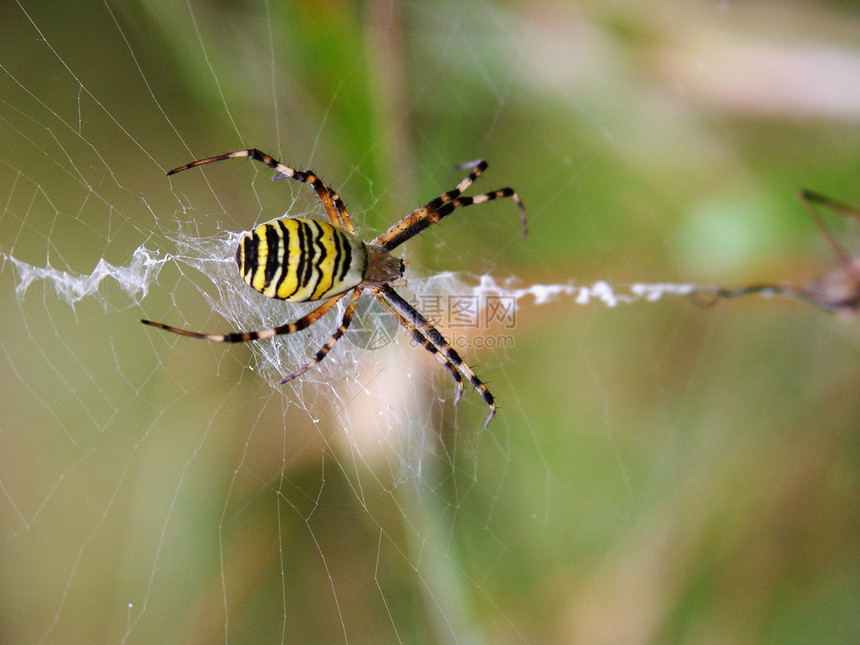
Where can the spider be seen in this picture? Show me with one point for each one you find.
(837, 291)
(303, 260)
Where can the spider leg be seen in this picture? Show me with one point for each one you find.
(419, 338)
(436, 338)
(809, 200)
(326, 195)
(345, 221)
(436, 209)
(340, 331)
(244, 337)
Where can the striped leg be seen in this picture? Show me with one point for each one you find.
(340, 331)
(245, 336)
(438, 340)
(419, 338)
(345, 221)
(326, 195)
(436, 209)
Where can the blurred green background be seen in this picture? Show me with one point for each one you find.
(657, 472)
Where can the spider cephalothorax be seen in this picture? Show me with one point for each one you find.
(304, 260)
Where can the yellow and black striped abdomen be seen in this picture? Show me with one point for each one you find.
(301, 259)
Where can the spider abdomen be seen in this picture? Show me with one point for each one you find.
(301, 259)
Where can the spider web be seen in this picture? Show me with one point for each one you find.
(162, 488)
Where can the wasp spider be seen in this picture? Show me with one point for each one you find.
(303, 260)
